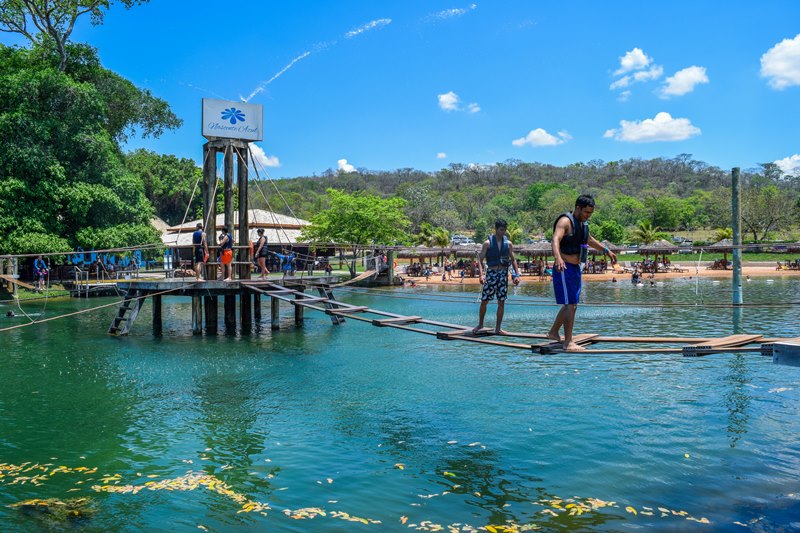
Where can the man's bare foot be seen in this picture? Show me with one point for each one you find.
(477, 329)
(500, 332)
(572, 347)
(554, 336)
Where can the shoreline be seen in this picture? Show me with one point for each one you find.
(752, 271)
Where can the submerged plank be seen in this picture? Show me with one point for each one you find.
(712, 345)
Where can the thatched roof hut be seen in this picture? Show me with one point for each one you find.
(660, 247)
(725, 246)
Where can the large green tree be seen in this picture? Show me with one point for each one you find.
(52, 20)
(358, 221)
(64, 182)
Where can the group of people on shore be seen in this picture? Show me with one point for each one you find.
(571, 242)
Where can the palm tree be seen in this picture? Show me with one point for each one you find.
(645, 233)
(515, 233)
(425, 235)
(440, 239)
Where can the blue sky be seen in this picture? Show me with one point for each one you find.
(385, 85)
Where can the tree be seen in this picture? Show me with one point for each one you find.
(766, 209)
(609, 230)
(723, 233)
(62, 175)
(54, 19)
(168, 183)
(358, 221)
(645, 232)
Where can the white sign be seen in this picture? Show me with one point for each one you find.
(232, 120)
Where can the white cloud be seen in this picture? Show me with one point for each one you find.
(449, 101)
(661, 128)
(624, 81)
(684, 81)
(261, 159)
(781, 64)
(790, 165)
(367, 27)
(623, 96)
(441, 155)
(540, 137)
(653, 73)
(634, 60)
(344, 166)
(455, 12)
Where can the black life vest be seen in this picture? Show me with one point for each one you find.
(571, 242)
(495, 257)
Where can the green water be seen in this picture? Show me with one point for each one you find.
(382, 424)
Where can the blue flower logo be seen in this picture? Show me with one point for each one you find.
(233, 115)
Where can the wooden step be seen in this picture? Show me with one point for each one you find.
(383, 322)
(460, 333)
(715, 345)
(557, 347)
(346, 310)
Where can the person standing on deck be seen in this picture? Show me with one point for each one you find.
(200, 251)
(40, 272)
(499, 254)
(570, 238)
(226, 254)
(261, 254)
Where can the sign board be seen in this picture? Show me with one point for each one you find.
(223, 119)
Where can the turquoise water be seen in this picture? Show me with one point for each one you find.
(382, 425)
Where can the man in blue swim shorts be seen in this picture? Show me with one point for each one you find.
(570, 237)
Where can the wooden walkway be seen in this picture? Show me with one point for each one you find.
(688, 346)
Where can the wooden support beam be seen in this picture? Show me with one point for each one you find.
(210, 205)
(461, 333)
(245, 312)
(228, 195)
(275, 308)
(257, 308)
(230, 313)
(716, 345)
(212, 316)
(347, 310)
(244, 223)
(197, 314)
(157, 325)
(298, 310)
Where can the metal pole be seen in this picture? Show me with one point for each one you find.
(736, 224)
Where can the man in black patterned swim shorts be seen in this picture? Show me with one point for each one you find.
(499, 254)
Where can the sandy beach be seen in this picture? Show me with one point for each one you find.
(747, 270)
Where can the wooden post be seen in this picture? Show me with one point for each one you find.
(230, 313)
(390, 266)
(244, 223)
(245, 316)
(276, 313)
(156, 299)
(736, 224)
(14, 274)
(257, 308)
(197, 314)
(298, 311)
(229, 221)
(211, 315)
(210, 204)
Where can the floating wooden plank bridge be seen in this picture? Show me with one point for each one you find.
(297, 293)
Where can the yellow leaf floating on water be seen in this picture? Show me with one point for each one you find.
(631, 510)
(403, 519)
(686, 455)
(491, 528)
(449, 474)
(400, 466)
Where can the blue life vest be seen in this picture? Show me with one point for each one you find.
(571, 242)
(495, 257)
(197, 239)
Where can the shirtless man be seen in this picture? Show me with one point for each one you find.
(499, 254)
(570, 234)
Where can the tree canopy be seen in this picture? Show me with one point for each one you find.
(63, 180)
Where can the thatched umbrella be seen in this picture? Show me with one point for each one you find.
(467, 250)
(725, 246)
(660, 247)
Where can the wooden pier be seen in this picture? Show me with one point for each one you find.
(299, 293)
